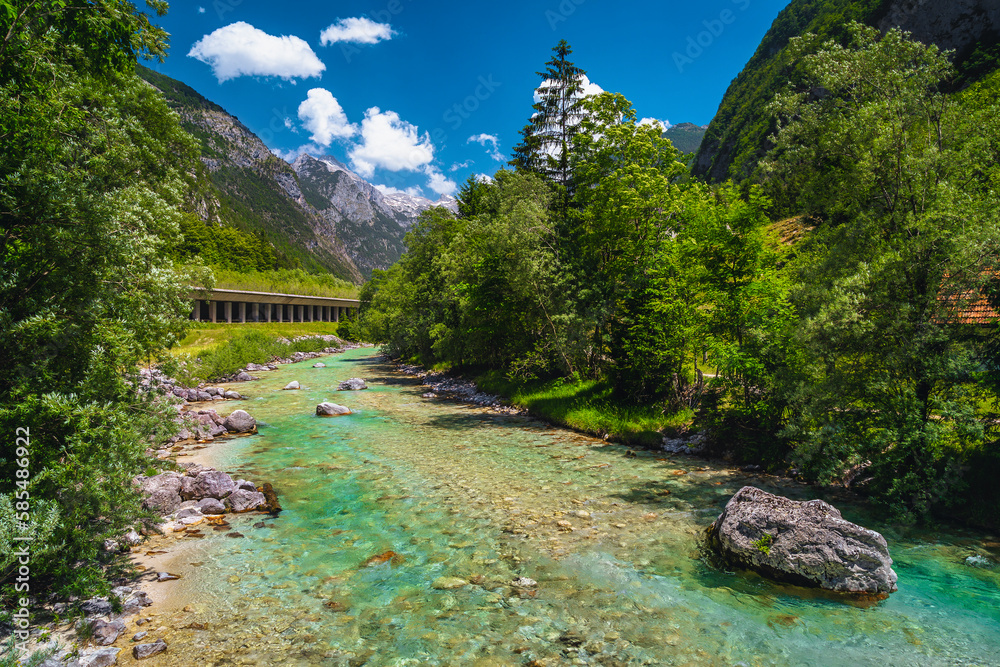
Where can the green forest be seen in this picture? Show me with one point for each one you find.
(830, 317)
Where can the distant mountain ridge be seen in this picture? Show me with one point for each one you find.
(370, 223)
(315, 211)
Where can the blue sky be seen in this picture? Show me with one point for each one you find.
(419, 95)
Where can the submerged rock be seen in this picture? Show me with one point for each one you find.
(806, 543)
(352, 384)
(271, 498)
(447, 583)
(331, 410)
(319, 364)
(294, 384)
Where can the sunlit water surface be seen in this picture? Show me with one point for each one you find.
(457, 491)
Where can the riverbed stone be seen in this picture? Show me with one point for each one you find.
(319, 364)
(447, 583)
(102, 657)
(294, 384)
(245, 484)
(188, 512)
(242, 500)
(802, 542)
(211, 506)
(243, 376)
(107, 632)
(161, 492)
(233, 395)
(203, 396)
(213, 484)
(240, 421)
(95, 607)
(331, 410)
(142, 651)
(352, 384)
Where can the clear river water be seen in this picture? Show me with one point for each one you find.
(461, 494)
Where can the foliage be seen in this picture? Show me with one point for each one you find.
(92, 171)
(246, 346)
(286, 281)
(900, 176)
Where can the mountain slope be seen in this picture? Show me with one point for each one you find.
(737, 136)
(686, 137)
(245, 186)
(371, 224)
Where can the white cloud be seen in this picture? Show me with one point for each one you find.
(413, 191)
(356, 30)
(391, 143)
(322, 115)
(239, 49)
(484, 178)
(440, 183)
(201, 10)
(665, 124)
(587, 87)
(493, 149)
(460, 165)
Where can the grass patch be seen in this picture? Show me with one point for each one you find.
(588, 406)
(221, 353)
(202, 336)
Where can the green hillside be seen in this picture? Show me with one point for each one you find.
(738, 134)
(686, 137)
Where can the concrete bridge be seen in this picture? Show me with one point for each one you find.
(234, 306)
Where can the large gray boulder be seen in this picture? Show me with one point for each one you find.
(352, 384)
(332, 410)
(213, 484)
(161, 492)
(243, 376)
(802, 542)
(294, 384)
(240, 421)
(242, 500)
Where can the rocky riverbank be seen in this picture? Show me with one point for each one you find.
(442, 385)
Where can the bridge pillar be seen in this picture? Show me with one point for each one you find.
(255, 312)
(196, 310)
(243, 312)
(228, 310)
(336, 313)
(298, 313)
(213, 310)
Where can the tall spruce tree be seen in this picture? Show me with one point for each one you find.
(548, 136)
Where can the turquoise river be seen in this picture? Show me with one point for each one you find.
(469, 500)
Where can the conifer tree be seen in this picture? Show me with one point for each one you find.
(546, 139)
